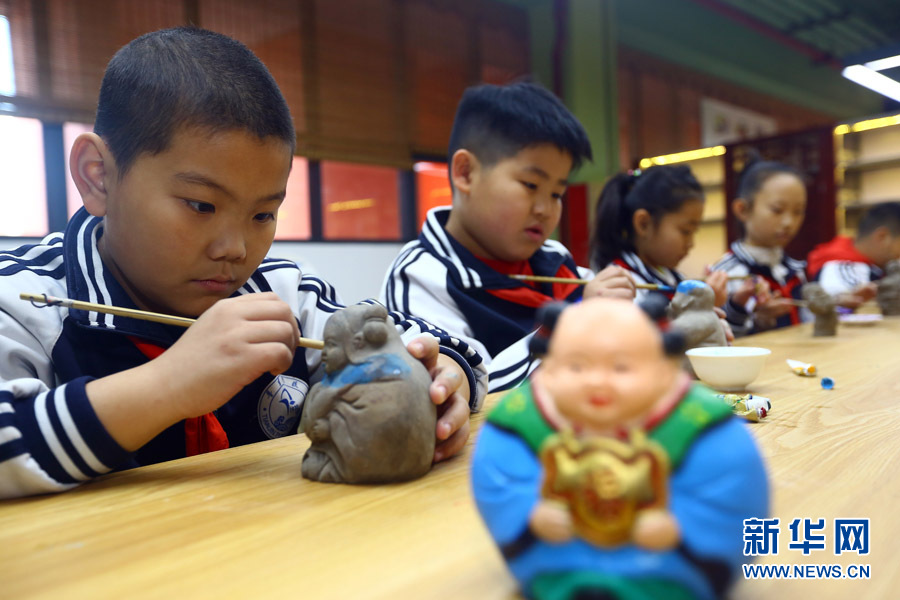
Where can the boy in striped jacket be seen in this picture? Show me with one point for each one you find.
(181, 180)
(512, 149)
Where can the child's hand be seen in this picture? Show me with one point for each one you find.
(726, 328)
(611, 282)
(231, 344)
(770, 307)
(551, 522)
(718, 281)
(449, 390)
(751, 286)
(858, 296)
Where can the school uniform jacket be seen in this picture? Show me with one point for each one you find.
(839, 267)
(50, 437)
(786, 277)
(437, 279)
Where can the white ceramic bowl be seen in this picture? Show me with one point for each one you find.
(728, 368)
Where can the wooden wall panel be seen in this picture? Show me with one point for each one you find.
(661, 102)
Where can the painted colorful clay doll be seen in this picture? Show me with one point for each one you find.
(610, 474)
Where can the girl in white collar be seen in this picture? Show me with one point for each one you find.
(771, 205)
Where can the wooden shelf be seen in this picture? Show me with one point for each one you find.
(864, 164)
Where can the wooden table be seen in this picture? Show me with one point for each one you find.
(242, 523)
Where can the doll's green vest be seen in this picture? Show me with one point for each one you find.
(699, 409)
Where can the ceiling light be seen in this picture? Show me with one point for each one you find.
(683, 156)
(884, 63)
(873, 80)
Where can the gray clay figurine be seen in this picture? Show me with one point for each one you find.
(889, 290)
(692, 312)
(370, 420)
(823, 306)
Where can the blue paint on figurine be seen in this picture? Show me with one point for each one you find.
(688, 285)
(375, 368)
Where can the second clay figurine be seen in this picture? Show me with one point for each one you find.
(823, 306)
(888, 295)
(370, 420)
(692, 312)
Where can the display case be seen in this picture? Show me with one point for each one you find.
(867, 167)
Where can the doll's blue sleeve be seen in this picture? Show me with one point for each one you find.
(506, 477)
(721, 481)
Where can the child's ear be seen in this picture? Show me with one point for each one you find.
(881, 234)
(741, 209)
(463, 167)
(91, 165)
(642, 222)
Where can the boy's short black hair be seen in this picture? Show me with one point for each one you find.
(495, 122)
(886, 214)
(185, 76)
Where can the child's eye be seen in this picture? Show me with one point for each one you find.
(529, 185)
(557, 196)
(201, 207)
(264, 217)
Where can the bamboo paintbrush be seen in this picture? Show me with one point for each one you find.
(640, 286)
(545, 279)
(133, 313)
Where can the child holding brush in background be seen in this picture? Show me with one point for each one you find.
(771, 205)
(645, 223)
(847, 268)
(181, 181)
(512, 149)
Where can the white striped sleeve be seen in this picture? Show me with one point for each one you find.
(51, 439)
(512, 366)
(837, 277)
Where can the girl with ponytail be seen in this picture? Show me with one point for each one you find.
(646, 221)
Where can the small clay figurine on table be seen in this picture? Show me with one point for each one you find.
(888, 295)
(610, 474)
(370, 420)
(823, 306)
(692, 312)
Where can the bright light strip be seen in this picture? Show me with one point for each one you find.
(884, 63)
(678, 157)
(867, 125)
(7, 74)
(873, 80)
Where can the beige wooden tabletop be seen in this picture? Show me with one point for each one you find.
(242, 523)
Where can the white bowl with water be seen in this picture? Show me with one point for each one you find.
(728, 368)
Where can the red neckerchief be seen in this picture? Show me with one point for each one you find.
(201, 434)
(787, 291)
(526, 294)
